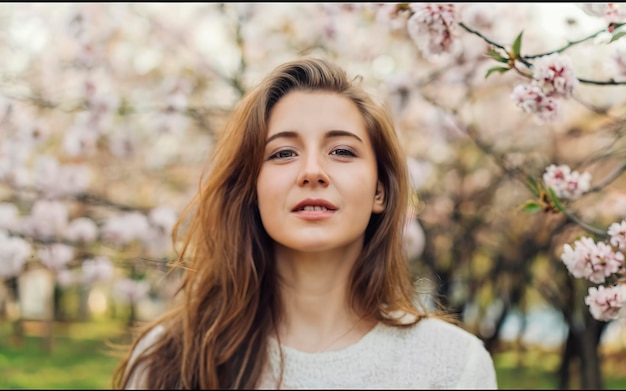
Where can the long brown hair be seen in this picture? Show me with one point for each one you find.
(216, 337)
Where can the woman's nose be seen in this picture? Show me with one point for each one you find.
(313, 173)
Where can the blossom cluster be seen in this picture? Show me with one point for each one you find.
(611, 12)
(54, 237)
(567, 184)
(600, 262)
(432, 27)
(553, 78)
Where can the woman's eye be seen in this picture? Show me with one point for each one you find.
(285, 153)
(342, 152)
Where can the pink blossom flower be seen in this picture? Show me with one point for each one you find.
(617, 234)
(65, 277)
(131, 291)
(97, 269)
(555, 76)
(9, 216)
(388, 13)
(611, 12)
(432, 27)
(123, 229)
(81, 230)
(47, 220)
(590, 260)
(14, 252)
(163, 218)
(567, 184)
(533, 100)
(605, 303)
(56, 256)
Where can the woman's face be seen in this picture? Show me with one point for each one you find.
(318, 181)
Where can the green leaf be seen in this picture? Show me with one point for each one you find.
(533, 185)
(555, 200)
(531, 206)
(496, 69)
(494, 54)
(617, 36)
(517, 45)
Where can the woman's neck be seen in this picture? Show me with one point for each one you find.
(314, 292)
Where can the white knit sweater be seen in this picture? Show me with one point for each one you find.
(433, 354)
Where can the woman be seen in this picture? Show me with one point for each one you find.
(295, 272)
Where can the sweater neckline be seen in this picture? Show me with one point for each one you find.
(346, 350)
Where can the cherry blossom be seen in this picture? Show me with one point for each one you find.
(9, 216)
(56, 256)
(47, 220)
(57, 180)
(433, 27)
(123, 229)
(533, 100)
(591, 260)
(81, 230)
(611, 12)
(131, 291)
(97, 269)
(555, 76)
(567, 184)
(617, 233)
(605, 303)
(14, 252)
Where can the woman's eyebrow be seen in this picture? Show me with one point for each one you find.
(329, 134)
(342, 133)
(286, 134)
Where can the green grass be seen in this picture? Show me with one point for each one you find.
(80, 359)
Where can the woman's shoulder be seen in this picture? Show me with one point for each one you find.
(432, 329)
(452, 355)
(138, 378)
(439, 327)
(431, 326)
(147, 340)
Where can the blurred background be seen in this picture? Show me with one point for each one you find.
(108, 112)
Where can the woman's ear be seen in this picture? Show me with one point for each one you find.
(379, 199)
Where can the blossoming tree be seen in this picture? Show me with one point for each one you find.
(108, 111)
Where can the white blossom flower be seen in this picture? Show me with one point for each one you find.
(617, 234)
(47, 220)
(611, 12)
(432, 27)
(590, 260)
(14, 252)
(81, 230)
(80, 141)
(555, 76)
(56, 256)
(605, 303)
(131, 291)
(163, 218)
(96, 269)
(567, 184)
(124, 229)
(65, 277)
(9, 216)
(533, 100)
